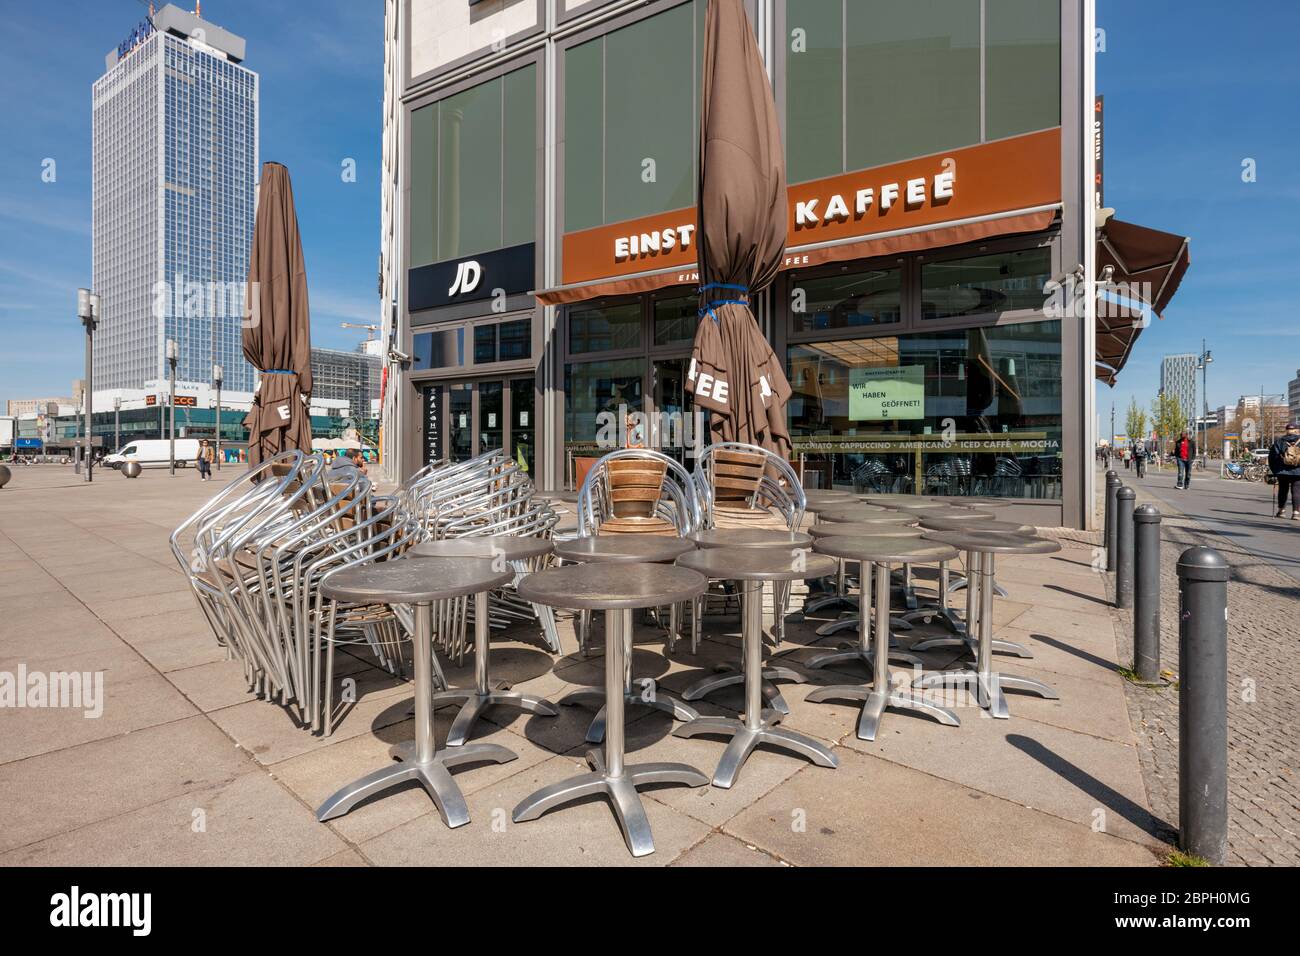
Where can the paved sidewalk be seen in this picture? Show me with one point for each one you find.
(186, 767)
(1263, 672)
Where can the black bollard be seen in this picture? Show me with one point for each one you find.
(1124, 501)
(1203, 704)
(1146, 593)
(1112, 485)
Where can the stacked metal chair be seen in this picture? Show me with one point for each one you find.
(487, 495)
(255, 556)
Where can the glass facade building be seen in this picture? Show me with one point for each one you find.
(922, 326)
(175, 120)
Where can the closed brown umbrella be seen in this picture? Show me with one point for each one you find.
(742, 218)
(277, 336)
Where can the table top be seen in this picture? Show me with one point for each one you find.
(757, 564)
(985, 502)
(623, 548)
(612, 587)
(508, 546)
(956, 514)
(995, 543)
(981, 526)
(823, 496)
(751, 538)
(407, 581)
(859, 512)
(886, 549)
(865, 529)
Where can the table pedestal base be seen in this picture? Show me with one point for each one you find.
(987, 687)
(729, 677)
(863, 655)
(432, 774)
(621, 792)
(971, 644)
(474, 702)
(595, 696)
(744, 738)
(850, 622)
(875, 702)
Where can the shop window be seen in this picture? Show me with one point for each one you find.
(675, 320)
(473, 169)
(846, 301)
(960, 411)
(516, 340)
(985, 285)
(630, 119)
(485, 344)
(605, 328)
(1022, 73)
(593, 388)
(441, 349)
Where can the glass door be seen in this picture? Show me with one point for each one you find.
(673, 425)
(491, 421)
(460, 413)
(522, 425)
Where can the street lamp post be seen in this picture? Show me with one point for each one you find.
(173, 353)
(117, 423)
(1202, 366)
(88, 311)
(216, 377)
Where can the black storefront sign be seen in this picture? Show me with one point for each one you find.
(471, 278)
(432, 423)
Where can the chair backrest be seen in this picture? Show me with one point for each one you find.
(638, 489)
(734, 476)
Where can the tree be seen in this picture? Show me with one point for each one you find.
(1167, 418)
(1136, 425)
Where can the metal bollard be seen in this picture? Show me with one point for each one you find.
(1108, 538)
(1146, 593)
(1203, 704)
(1124, 501)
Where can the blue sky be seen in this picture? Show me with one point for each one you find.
(321, 67)
(1192, 89)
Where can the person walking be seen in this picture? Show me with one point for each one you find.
(1184, 455)
(1284, 463)
(207, 455)
(1140, 460)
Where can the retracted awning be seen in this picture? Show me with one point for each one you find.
(1138, 272)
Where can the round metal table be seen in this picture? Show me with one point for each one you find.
(823, 497)
(750, 538)
(877, 553)
(420, 583)
(981, 551)
(623, 548)
(620, 549)
(616, 589)
(501, 550)
(752, 567)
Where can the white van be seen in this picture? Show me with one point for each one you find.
(155, 452)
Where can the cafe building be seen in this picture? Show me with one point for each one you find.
(935, 308)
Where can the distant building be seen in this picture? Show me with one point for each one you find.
(174, 145)
(1178, 379)
(352, 377)
(19, 407)
(1293, 397)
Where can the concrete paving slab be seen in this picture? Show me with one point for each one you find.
(883, 814)
(719, 849)
(164, 761)
(1070, 775)
(249, 821)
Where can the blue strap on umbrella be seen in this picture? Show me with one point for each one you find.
(278, 371)
(712, 304)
